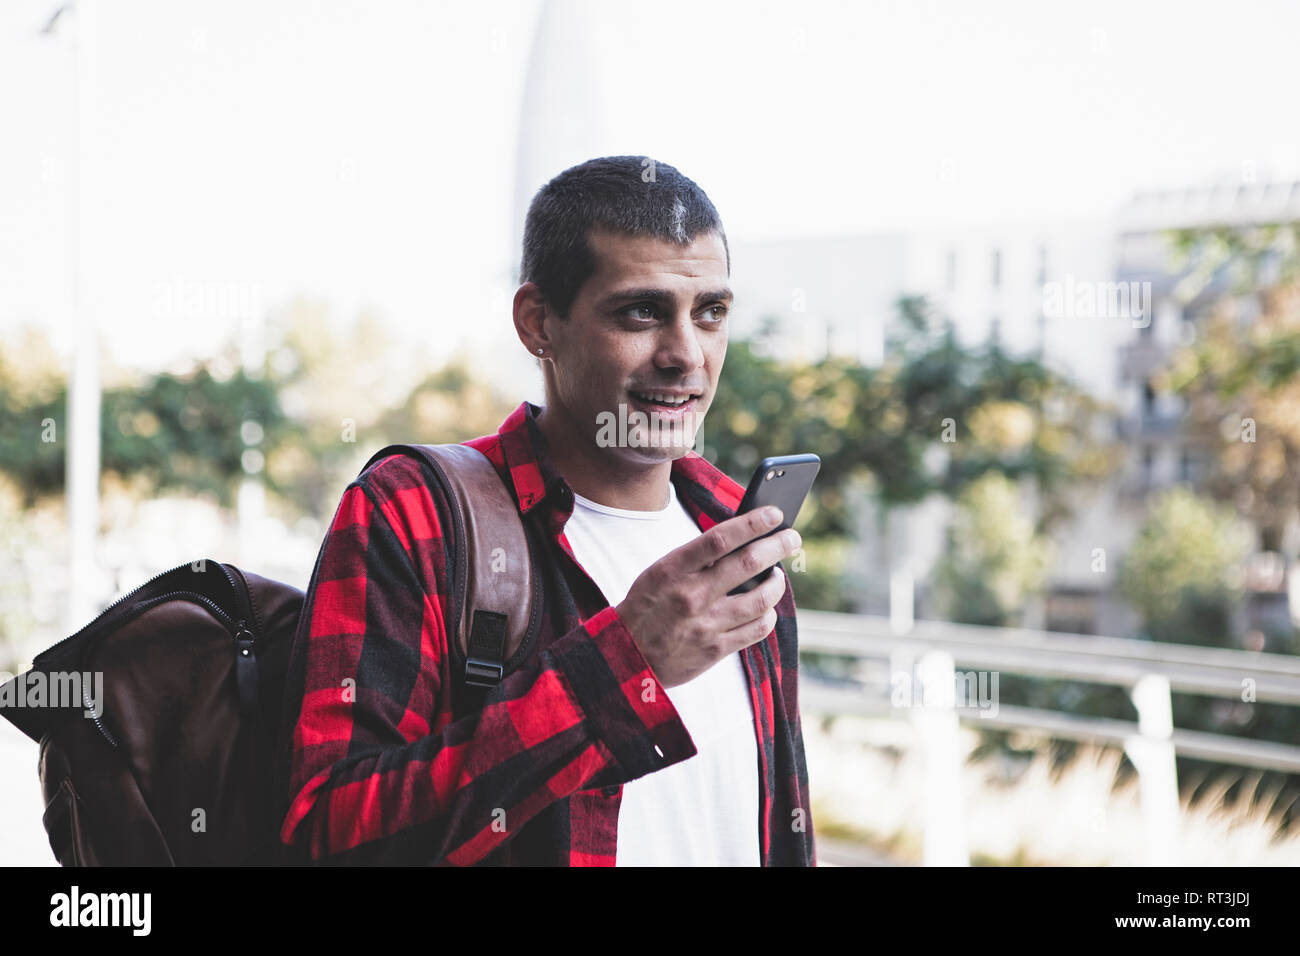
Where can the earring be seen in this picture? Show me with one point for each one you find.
(539, 351)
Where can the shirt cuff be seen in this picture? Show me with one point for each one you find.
(621, 697)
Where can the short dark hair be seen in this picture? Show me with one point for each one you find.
(635, 195)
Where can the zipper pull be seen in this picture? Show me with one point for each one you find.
(245, 640)
(246, 667)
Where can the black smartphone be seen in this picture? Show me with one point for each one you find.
(784, 481)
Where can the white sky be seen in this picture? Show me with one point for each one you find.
(362, 153)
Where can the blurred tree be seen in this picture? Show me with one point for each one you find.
(336, 381)
(168, 431)
(934, 417)
(1240, 381)
(995, 559)
(31, 412)
(354, 389)
(448, 405)
(1251, 258)
(328, 396)
(184, 432)
(1183, 571)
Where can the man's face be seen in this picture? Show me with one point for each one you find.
(647, 330)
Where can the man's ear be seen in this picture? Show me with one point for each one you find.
(530, 313)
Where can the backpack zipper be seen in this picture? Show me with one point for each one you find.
(132, 593)
(235, 627)
(99, 724)
(231, 624)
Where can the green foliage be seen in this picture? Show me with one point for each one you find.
(1250, 256)
(1182, 571)
(819, 583)
(994, 559)
(935, 417)
(30, 448)
(173, 432)
(184, 432)
(1241, 388)
(889, 423)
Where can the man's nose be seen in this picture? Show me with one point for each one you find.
(679, 346)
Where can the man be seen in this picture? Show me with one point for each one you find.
(657, 720)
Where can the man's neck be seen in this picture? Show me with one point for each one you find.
(599, 476)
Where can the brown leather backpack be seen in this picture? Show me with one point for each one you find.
(176, 762)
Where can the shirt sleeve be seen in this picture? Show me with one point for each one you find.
(370, 779)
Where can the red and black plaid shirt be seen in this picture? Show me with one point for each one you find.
(383, 769)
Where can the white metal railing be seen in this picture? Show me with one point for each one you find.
(928, 672)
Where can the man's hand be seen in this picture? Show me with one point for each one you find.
(678, 610)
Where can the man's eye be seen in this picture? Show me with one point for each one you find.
(713, 314)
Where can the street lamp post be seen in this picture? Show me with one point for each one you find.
(81, 477)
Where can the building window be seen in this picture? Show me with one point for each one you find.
(1042, 265)
(951, 279)
(995, 268)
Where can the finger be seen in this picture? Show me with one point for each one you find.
(736, 610)
(752, 559)
(749, 633)
(726, 536)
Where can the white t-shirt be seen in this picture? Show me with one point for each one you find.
(702, 811)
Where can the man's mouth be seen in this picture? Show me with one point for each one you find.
(667, 401)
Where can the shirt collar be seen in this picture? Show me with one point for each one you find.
(708, 494)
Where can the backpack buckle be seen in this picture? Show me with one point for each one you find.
(481, 673)
(484, 666)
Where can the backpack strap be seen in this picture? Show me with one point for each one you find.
(496, 592)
